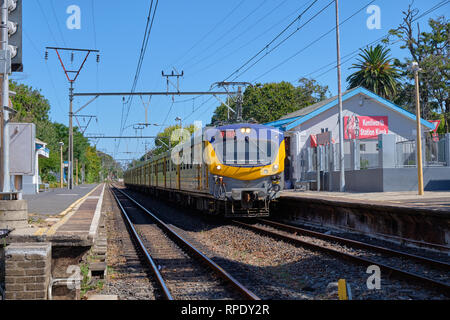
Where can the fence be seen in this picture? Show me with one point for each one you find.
(384, 152)
(435, 153)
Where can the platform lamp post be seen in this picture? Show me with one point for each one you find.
(415, 68)
(61, 179)
(179, 119)
(181, 126)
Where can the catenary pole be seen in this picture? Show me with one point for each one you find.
(71, 80)
(341, 123)
(70, 175)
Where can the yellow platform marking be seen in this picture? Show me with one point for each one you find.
(342, 289)
(40, 231)
(51, 230)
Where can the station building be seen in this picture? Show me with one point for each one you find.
(379, 146)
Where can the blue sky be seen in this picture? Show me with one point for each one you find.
(208, 40)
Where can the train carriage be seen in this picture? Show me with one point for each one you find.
(234, 170)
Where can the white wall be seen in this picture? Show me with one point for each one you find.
(403, 127)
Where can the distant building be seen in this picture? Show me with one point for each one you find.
(378, 136)
(25, 151)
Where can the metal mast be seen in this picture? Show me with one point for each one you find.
(341, 122)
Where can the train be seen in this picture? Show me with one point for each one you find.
(234, 170)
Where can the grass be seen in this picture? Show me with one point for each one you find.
(86, 284)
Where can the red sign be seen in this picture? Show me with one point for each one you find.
(436, 124)
(435, 137)
(313, 141)
(365, 127)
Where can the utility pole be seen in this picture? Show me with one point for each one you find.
(76, 167)
(167, 76)
(341, 122)
(82, 173)
(415, 68)
(179, 119)
(71, 96)
(61, 179)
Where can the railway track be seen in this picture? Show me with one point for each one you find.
(181, 271)
(357, 252)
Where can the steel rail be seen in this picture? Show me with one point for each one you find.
(437, 285)
(141, 245)
(185, 244)
(436, 263)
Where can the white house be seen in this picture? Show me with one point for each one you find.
(367, 117)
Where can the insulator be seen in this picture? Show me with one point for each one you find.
(71, 57)
(98, 58)
(46, 55)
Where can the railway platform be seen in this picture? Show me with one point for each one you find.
(55, 201)
(403, 217)
(76, 224)
(68, 237)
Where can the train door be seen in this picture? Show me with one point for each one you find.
(205, 171)
(156, 173)
(199, 177)
(178, 177)
(165, 172)
(287, 162)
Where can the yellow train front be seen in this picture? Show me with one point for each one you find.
(233, 170)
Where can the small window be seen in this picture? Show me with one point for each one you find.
(362, 147)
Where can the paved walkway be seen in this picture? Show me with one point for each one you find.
(439, 201)
(55, 201)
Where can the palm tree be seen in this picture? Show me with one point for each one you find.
(375, 72)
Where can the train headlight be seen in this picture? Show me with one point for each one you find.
(242, 130)
(248, 130)
(266, 171)
(218, 167)
(275, 167)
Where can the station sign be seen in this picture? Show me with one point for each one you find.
(365, 127)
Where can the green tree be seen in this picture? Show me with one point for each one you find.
(431, 51)
(93, 165)
(30, 104)
(375, 71)
(270, 101)
(33, 107)
(175, 136)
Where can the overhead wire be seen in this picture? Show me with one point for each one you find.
(210, 31)
(247, 43)
(57, 23)
(313, 42)
(47, 21)
(355, 52)
(267, 45)
(278, 44)
(222, 36)
(273, 40)
(147, 32)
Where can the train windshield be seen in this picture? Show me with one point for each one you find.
(248, 148)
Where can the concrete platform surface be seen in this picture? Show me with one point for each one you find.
(431, 200)
(55, 201)
(75, 225)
